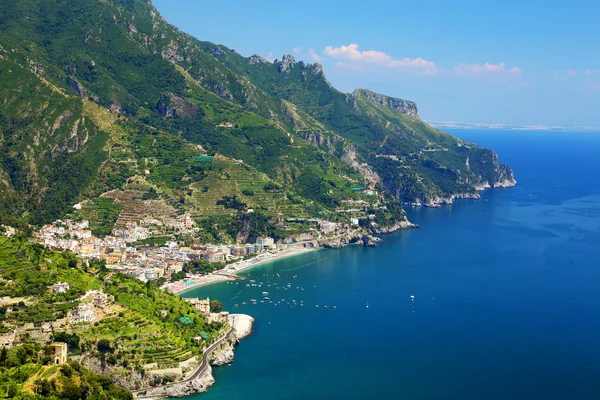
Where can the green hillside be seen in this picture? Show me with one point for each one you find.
(142, 325)
(104, 95)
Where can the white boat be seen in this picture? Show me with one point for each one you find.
(412, 297)
(265, 293)
(367, 304)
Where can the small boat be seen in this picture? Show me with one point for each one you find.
(267, 299)
(412, 297)
(367, 305)
(334, 307)
(265, 293)
(325, 306)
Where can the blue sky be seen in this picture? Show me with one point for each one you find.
(488, 61)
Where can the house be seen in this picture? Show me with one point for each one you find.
(238, 251)
(201, 305)
(221, 317)
(59, 352)
(215, 257)
(102, 300)
(60, 287)
(151, 275)
(327, 227)
(266, 242)
(83, 313)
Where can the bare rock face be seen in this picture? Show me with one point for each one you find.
(317, 69)
(224, 355)
(242, 325)
(176, 107)
(404, 106)
(287, 63)
(405, 224)
(199, 384)
(256, 59)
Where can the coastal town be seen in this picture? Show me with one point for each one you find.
(167, 263)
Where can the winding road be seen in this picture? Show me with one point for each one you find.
(195, 375)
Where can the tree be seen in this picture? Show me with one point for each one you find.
(3, 356)
(66, 370)
(11, 391)
(104, 346)
(216, 306)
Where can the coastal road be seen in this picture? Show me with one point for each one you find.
(196, 374)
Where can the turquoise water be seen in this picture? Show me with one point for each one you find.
(507, 299)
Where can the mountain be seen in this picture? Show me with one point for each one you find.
(107, 104)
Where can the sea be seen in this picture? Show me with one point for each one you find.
(506, 296)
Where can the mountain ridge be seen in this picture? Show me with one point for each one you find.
(111, 89)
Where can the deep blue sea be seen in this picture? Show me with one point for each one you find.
(507, 296)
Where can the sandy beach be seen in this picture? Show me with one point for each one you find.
(229, 272)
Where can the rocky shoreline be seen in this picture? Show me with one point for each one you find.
(437, 202)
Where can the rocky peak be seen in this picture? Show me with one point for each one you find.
(287, 63)
(256, 59)
(215, 51)
(317, 69)
(405, 107)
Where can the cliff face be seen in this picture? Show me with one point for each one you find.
(405, 107)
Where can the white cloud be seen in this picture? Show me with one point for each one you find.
(487, 68)
(592, 71)
(296, 49)
(353, 54)
(572, 73)
(314, 55)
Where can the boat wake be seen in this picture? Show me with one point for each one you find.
(237, 295)
(301, 266)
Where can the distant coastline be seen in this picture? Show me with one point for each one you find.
(506, 127)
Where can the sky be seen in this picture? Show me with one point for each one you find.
(511, 62)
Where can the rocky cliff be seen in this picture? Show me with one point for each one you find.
(405, 107)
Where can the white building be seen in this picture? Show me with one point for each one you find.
(83, 313)
(265, 242)
(60, 287)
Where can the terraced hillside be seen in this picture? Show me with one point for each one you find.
(142, 326)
